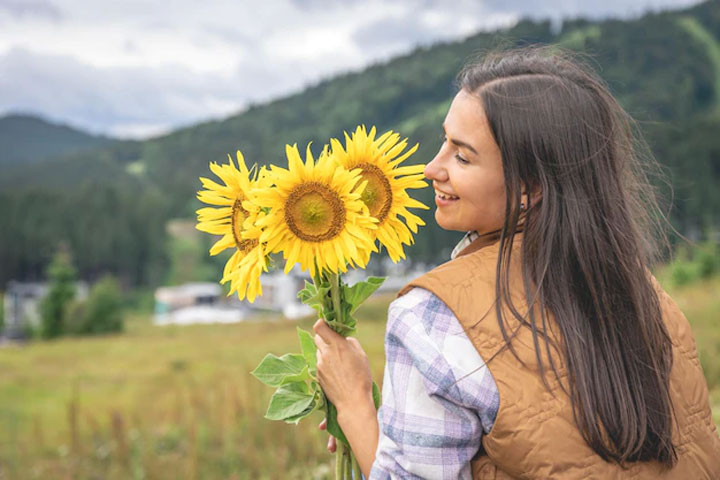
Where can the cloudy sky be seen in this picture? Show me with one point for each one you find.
(137, 68)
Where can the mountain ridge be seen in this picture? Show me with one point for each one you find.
(20, 134)
(654, 65)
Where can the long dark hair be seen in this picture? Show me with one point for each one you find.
(588, 242)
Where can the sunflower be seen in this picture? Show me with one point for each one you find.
(317, 217)
(247, 262)
(385, 194)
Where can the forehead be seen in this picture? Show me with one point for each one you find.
(466, 121)
(466, 112)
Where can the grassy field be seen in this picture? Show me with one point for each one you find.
(178, 402)
(701, 305)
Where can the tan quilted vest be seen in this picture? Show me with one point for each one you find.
(534, 435)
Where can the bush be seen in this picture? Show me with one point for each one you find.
(683, 272)
(75, 318)
(2, 313)
(61, 276)
(102, 313)
(689, 266)
(707, 258)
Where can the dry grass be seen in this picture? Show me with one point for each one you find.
(173, 402)
(178, 402)
(701, 305)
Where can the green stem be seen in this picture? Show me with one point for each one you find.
(356, 473)
(335, 294)
(339, 460)
(348, 466)
(344, 459)
(317, 278)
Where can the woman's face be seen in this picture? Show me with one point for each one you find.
(467, 172)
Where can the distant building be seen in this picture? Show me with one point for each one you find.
(279, 294)
(22, 306)
(189, 294)
(190, 303)
(205, 302)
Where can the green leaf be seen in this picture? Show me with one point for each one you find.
(307, 412)
(309, 350)
(316, 296)
(308, 292)
(344, 329)
(333, 427)
(360, 292)
(295, 419)
(273, 370)
(298, 377)
(290, 401)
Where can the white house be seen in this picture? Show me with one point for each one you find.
(22, 306)
(205, 302)
(190, 303)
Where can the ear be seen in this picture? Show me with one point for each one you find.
(535, 195)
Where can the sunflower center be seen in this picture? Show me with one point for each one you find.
(378, 192)
(239, 214)
(314, 213)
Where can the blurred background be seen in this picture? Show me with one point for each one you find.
(121, 356)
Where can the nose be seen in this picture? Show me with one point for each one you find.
(435, 170)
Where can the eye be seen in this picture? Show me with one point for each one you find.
(443, 138)
(461, 160)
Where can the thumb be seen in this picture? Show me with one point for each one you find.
(325, 332)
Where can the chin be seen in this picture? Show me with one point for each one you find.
(447, 224)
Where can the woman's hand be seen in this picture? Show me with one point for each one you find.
(343, 369)
(344, 374)
(332, 443)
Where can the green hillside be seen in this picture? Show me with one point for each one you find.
(27, 139)
(663, 68)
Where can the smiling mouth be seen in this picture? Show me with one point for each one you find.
(445, 196)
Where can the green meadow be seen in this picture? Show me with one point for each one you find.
(179, 402)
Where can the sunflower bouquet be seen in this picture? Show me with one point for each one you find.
(325, 215)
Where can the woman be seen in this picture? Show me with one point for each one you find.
(544, 348)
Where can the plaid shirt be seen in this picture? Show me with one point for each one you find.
(438, 396)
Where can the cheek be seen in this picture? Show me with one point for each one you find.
(488, 199)
(498, 197)
(485, 190)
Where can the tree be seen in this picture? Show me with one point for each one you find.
(2, 313)
(102, 313)
(61, 276)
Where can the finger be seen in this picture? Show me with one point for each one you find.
(319, 342)
(323, 424)
(328, 334)
(332, 444)
(317, 324)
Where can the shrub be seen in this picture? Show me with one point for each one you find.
(689, 266)
(683, 272)
(102, 312)
(75, 318)
(2, 313)
(707, 258)
(61, 276)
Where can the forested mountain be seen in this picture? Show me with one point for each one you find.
(27, 139)
(110, 204)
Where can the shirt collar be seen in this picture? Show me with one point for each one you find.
(473, 241)
(464, 242)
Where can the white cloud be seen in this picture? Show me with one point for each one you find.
(140, 67)
(30, 8)
(129, 101)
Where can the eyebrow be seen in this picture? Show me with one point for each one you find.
(460, 143)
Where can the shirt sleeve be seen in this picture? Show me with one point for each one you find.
(438, 397)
